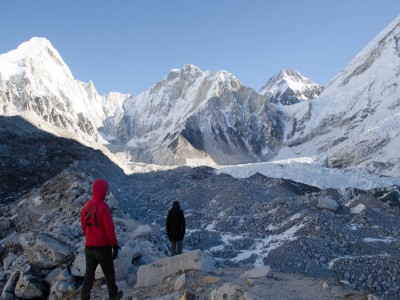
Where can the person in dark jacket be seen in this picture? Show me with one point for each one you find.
(176, 228)
(101, 246)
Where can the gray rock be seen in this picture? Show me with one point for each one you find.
(131, 277)
(180, 282)
(231, 292)
(44, 251)
(64, 283)
(357, 209)
(156, 272)
(11, 242)
(8, 290)
(78, 267)
(142, 231)
(60, 288)
(52, 275)
(327, 203)
(30, 286)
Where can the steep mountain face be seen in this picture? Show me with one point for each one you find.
(356, 119)
(34, 79)
(290, 87)
(195, 117)
(192, 117)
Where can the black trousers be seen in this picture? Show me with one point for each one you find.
(94, 257)
(176, 247)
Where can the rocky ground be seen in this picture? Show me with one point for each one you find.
(320, 244)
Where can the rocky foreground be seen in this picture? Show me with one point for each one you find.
(42, 249)
(253, 238)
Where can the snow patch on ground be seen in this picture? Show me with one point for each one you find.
(263, 247)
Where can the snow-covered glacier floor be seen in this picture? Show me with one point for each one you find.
(308, 171)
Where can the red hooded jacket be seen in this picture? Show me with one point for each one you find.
(96, 219)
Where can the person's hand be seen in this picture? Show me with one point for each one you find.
(115, 251)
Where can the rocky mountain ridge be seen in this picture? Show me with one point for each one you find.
(190, 117)
(352, 123)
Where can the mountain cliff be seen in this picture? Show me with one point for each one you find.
(355, 121)
(196, 117)
(35, 81)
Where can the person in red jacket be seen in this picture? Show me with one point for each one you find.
(101, 246)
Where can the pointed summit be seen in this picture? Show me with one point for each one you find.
(290, 87)
(38, 51)
(36, 46)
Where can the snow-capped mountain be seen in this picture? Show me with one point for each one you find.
(195, 117)
(290, 87)
(356, 120)
(35, 82)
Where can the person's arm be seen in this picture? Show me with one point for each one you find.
(109, 226)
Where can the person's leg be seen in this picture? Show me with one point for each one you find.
(91, 265)
(173, 248)
(107, 265)
(179, 247)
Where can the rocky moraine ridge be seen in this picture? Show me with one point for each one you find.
(332, 243)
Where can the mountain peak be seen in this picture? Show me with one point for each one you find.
(290, 87)
(187, 70)
(36, 46)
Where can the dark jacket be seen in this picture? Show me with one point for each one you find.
(175, 224)
(96, 219)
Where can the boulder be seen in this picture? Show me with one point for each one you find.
(11, 242)
(14, 262)
(357, 209)
(231, 292)
(155, 272)
(327, 203)
(8, 290)
(78, 267)
(30, 286)
(52, 275)
(63, 284)
(131, 277)
(259, 272)
(44, 251)
(141, 231)
(121, 266)
(180, 282)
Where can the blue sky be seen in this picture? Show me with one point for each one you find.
(127, 46)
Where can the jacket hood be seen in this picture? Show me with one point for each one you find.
(99, 189)
(176, 204)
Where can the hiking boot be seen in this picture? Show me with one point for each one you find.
(119, 295)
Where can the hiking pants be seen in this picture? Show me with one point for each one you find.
(176, 247)
(102, 256)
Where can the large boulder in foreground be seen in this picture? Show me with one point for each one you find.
(155, 272)
(44, 251)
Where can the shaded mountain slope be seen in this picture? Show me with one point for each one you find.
(29, 157)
